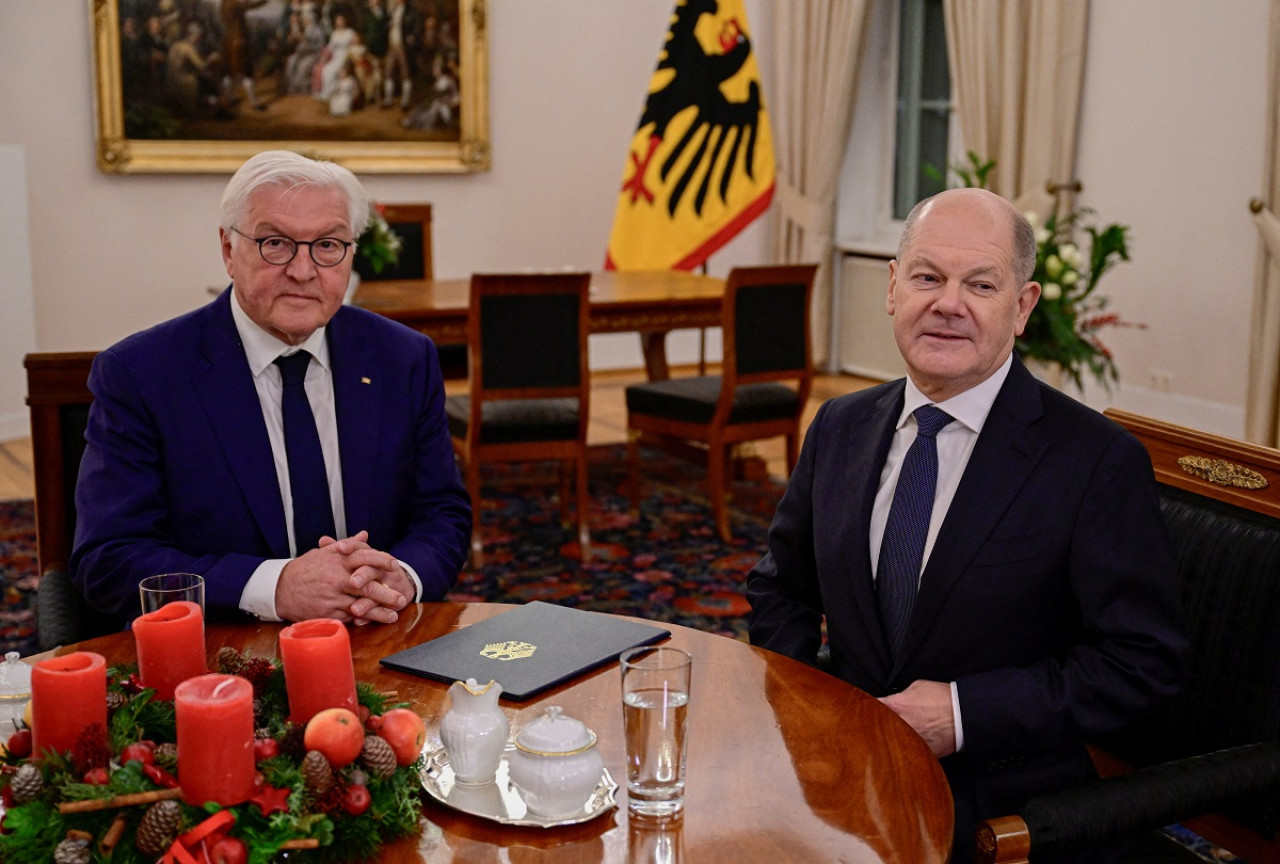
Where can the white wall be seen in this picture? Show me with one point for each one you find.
(17, 330)
(1173, 127)
(112, 254)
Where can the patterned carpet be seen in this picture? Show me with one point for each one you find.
(662, 562)
(18, 576)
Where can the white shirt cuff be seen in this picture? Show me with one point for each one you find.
(259, 595)
(417, 583)
(955, 716)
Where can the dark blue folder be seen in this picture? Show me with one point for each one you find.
(527, 649)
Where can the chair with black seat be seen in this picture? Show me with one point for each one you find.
(1209, 759)
(530, 385)
(415, 263)
(766, 374)
(412, 224)
(58, 397)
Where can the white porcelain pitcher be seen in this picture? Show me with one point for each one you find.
(474, 731)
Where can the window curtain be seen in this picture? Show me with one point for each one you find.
(1262, 400)
(1017, 69)
(817, 49)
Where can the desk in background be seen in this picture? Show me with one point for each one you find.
(786, 763)
(652, 303)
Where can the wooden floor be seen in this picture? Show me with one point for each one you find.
(608, 425)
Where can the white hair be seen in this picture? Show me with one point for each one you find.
(290, 170)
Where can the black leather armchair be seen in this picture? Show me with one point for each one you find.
(1210, 759)
(58, 398)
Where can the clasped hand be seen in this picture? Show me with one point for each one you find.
(926, 706)
(344, 579)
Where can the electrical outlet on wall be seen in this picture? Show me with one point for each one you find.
(1161, 380)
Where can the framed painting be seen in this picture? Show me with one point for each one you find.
(380, 86)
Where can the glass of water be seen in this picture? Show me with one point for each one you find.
(155, 592)
(655, 715)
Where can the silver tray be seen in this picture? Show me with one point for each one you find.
(500, 801)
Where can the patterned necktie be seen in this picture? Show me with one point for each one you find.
(308, 483)
(902, 549)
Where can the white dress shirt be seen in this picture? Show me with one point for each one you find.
(969, 411)
(261, 349)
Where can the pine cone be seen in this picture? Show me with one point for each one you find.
(166, 755)
(158, 827)
(27, 783)
(71, 851)
(317, 772)
(115, 701)
(378, 756)
(228, 660)
(294, 741)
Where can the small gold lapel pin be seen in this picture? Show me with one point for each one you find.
(364, 380)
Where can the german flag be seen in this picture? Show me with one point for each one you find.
(701, 165)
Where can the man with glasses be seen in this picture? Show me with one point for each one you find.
(292, 450)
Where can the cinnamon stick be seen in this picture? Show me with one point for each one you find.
(113, 835)
(304, 843)
(130, 800)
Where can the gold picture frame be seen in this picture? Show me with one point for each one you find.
(206, 120)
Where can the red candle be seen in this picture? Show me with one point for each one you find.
(215, 739)
(318, 673)
(68, 694)
(170, 644)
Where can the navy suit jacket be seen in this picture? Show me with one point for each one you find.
(178, 475)
(1050, 595)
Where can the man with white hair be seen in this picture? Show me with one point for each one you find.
(291, 450)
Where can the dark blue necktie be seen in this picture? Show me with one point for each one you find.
(308, 483)
(902, 549)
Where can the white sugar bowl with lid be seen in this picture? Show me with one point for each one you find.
(555, 764)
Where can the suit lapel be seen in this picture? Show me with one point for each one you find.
(863, 479)
(357, 392)
(225, 388)
(1005, 454)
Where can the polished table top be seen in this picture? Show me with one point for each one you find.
(650, 302)
(786, 763)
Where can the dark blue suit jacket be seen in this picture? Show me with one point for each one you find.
(1050, 595)
(178, 475)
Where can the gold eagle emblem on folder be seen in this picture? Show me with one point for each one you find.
(510, 650)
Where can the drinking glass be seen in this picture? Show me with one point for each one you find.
(655, 716)
(156, 591)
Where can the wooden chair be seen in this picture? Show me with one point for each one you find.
(530, 384)
(416, 263)
(58, 397)
(766, 342)
(1210, 758)
(412, 223)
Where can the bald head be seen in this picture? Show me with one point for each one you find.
(1022, 237)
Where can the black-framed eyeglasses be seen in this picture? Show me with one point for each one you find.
(278, 249)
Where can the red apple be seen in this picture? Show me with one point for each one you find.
(229, 850)
(19, 743)
(357, 799)
(265, 748)
(337, 733)
(404, 730)
(140, 751)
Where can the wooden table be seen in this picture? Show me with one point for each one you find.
(786, 763)
(652, 303)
